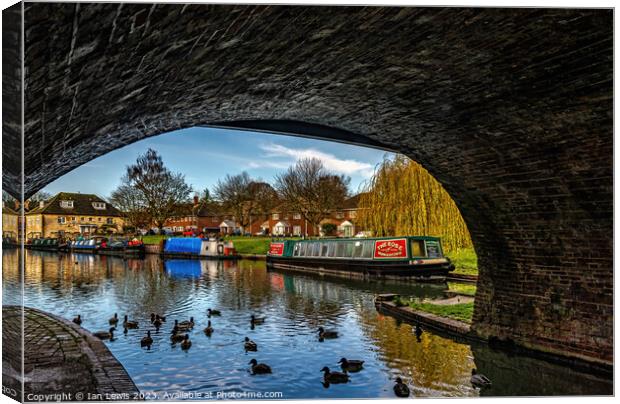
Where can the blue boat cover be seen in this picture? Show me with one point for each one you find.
(183, 268)
(187, 245)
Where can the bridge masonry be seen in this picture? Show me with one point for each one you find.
(510, 109)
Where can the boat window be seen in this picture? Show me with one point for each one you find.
(348, 249)
(417, 248)
(296, 250)
(302, 249)
(340, 249)
(331, 250)
(369, 247)
(432, 249)
(324, 249)
(316, 249)
(357, 249)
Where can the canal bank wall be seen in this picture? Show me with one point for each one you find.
(60, 358)
(462, 331)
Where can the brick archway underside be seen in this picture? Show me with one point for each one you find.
(510, 109)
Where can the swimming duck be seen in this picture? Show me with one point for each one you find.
(160, 318)
(105, 334)
(176, 337)
(78, 320)
(147, 341)
(185, 325)
(418, 330)
(351, 365)
(259, 368)
(400, 388)
(256, 320)
(250, 345)
(334, 377)
(208, 330)
(327, 334)
(479, 380)
(157, 323)
(186, 344)
(113, 320)
(214, 312)
(129, 324)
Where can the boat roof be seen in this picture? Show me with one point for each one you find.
(432, 238)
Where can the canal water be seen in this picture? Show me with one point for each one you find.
(295, 306)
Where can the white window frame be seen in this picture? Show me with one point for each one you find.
(275, 216)
(66, 204)
(296, 216)
(99, 205)
(62, 220)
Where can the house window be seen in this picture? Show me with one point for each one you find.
(66, 204)
(81, 219)
(99, 219)
(109, 220)
(297, 230)
(353, 214)
(214, 219)
(90, 219)
(339, 215)
(99, 205)
(275, 216)
(61, 220)
(297, 216)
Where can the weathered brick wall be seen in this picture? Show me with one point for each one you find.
(511, 109)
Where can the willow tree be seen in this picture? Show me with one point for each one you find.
(402, 198)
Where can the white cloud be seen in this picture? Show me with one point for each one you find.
(331, 162)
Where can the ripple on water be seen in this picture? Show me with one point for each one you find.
(295, 306)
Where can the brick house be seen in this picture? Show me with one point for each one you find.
(10, 222)
(197, 216)
(70, 214)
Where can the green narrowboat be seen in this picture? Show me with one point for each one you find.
(387, 257)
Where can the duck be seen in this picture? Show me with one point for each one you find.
(157, 323)
(256, 320)
(250, 345)
(418, 330)
(113, 320)
(185, 325)
(186, 344)
(160, 318)
(78, 320)
(479, 380)
(176, 337)
(351, 365)
(147, 340)
(327, 334)
(259, 368)
(334, 377)
(129, 324)
(105, 334)
(401, 389)
(213, 312)
(208, 329)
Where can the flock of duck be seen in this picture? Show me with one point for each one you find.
(179, 335)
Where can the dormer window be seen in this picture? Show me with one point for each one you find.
(99, 205)
(66, 204)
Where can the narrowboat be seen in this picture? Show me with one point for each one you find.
(411, 257)
(47, 244)
(89, 246)
(121, 247)
(195, 247)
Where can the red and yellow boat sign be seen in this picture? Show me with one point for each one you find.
(396, 248)
(276, 249)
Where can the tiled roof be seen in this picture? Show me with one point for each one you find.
(8, 210)
(82, 205)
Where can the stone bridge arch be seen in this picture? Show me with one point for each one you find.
(510, 109)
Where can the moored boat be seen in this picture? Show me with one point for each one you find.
(121, 246)
(88, 246)
(195, 247)
(411, 257)
(47, 244)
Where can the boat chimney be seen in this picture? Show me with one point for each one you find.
(41, 204)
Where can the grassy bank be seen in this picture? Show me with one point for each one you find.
(465, 261)
(251, 245)
(153, 238)
(460, 311)
(462, 288)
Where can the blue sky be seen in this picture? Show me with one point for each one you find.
(206, 154)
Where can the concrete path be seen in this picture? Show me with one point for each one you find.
(60, 358)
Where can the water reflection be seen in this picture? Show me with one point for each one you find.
(295, 306)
